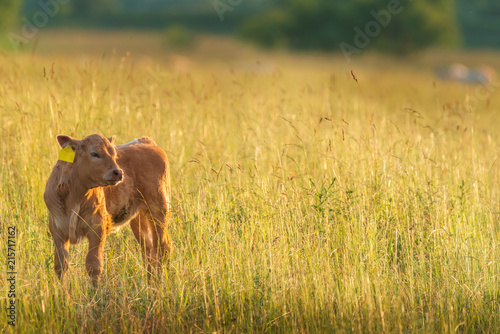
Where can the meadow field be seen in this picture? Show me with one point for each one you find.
(304, 200)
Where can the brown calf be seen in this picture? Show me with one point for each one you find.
(101, 187)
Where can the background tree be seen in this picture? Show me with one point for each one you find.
(9, 13)
(324, 24)
(92, 7)
(479, 22)
(297, 24)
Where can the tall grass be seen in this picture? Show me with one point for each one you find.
(304, 201)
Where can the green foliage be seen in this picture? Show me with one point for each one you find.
(92, 7)
(479, 22)
(302, 25)
(9, 10)
(270, 29)
(178, 36)
(297, 24)
(423, 24)
(324, 24)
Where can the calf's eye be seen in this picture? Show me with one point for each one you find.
(95, 155)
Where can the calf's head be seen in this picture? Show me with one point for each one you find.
(95, 160)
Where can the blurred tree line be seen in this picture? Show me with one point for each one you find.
(479, 22)
(8, 13)
(295, 24)
(389, 25)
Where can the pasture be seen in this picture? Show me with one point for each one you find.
(304, 201)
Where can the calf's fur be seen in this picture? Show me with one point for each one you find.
(104, 188)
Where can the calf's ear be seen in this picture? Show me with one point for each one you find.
(66, 140)
(112, 139)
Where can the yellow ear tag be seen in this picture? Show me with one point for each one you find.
(67, 154)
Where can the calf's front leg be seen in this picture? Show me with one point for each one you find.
(93, 261)
(61, 256)
(61, 247)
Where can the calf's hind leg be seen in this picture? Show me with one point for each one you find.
(160, 214)
(141, 226)
(153, 239)
(161, 238)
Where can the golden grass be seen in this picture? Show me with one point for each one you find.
(304, 202)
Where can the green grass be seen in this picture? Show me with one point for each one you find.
(304, 202)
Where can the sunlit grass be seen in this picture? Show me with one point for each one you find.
(304, 201)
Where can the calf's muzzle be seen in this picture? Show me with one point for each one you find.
(114, 176)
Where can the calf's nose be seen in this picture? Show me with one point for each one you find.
(118, 174)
